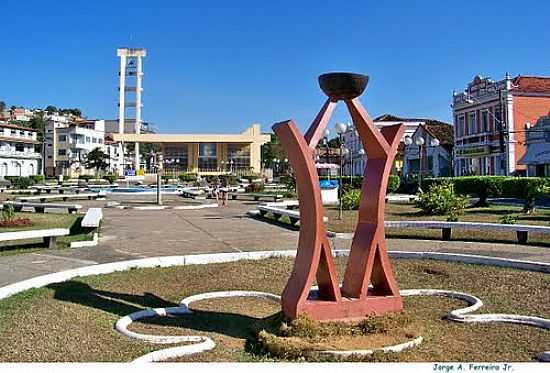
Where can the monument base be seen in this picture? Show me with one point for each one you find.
(347, 309)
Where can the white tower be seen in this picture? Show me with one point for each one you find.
(130, 90)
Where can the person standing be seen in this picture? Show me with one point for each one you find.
(224, 191)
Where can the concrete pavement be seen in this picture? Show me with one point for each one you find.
(134, 234)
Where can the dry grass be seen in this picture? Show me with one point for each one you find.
(73, 321)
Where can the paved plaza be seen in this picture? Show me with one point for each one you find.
(135, 234)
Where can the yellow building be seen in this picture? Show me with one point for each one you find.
(206, 154)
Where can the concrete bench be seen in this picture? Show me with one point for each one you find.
(277, 212)
(93, 218)
(40, 207)
(256, 196)
(64, 197)
(400, 198)
(522, 231)
(49, 235)
(290, 204)
(191, 193)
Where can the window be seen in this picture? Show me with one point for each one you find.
(497, 118)
(240, 155)
(29, 134)
(94, 140)
(62, 138)
(19, 147)
(100, 141)
(471, 123)
(175, 155)
(485, 121)
(460, 128)
(87, 138)
(208, 156)
(13, 132)
(22, 133)
(62, 152)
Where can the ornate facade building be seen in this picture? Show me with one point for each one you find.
(490, 119)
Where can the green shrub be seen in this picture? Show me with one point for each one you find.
(229, 179)
(393, 183)
(111, 178)
(250, 177)
(20, 182)
(37, 179)
(85, 177)
(254, 188)
(509, 219)
(527, 188)
(351, 199)
(187, 177)
(442, 200)
(8, 213)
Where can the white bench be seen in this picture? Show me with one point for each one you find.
(49, 235)
(257, 196)
(192, 193)
(40, 207)
(93, 218)
(400, 198)
(290, 204)
(64, 197)
(522, 231)
(277, 212)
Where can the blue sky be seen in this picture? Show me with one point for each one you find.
(218, 66)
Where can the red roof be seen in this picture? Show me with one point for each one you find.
(534, 84)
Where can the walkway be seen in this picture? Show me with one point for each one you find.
(133, 234)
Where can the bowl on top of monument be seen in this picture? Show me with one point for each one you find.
(343, 86)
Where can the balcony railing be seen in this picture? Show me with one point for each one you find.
(22, 155)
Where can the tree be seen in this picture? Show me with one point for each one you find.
(2, 106)
(50, 109)
(272, 150)
(97, 159)
(38, 123)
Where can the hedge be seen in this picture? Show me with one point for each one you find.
(527, 188)
(356, 182)
(187, 177)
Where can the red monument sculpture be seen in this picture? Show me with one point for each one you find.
(368, 287)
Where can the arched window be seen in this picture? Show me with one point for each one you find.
(31, 169)
(17, 168)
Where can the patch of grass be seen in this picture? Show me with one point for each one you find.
(45, 221)
(34, 325)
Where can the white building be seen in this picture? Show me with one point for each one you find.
(429, 150)
(355, 162)
(68, 143)
(18, 156)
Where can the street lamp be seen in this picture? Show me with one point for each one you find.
(340, 129)
(420, 142)
(361, 153)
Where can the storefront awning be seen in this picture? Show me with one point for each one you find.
(538, 153)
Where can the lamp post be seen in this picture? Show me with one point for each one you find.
(420, 142)
(361, 153)
(340, 128)
(159, 179)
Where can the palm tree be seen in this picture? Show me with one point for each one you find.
(97, 159)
